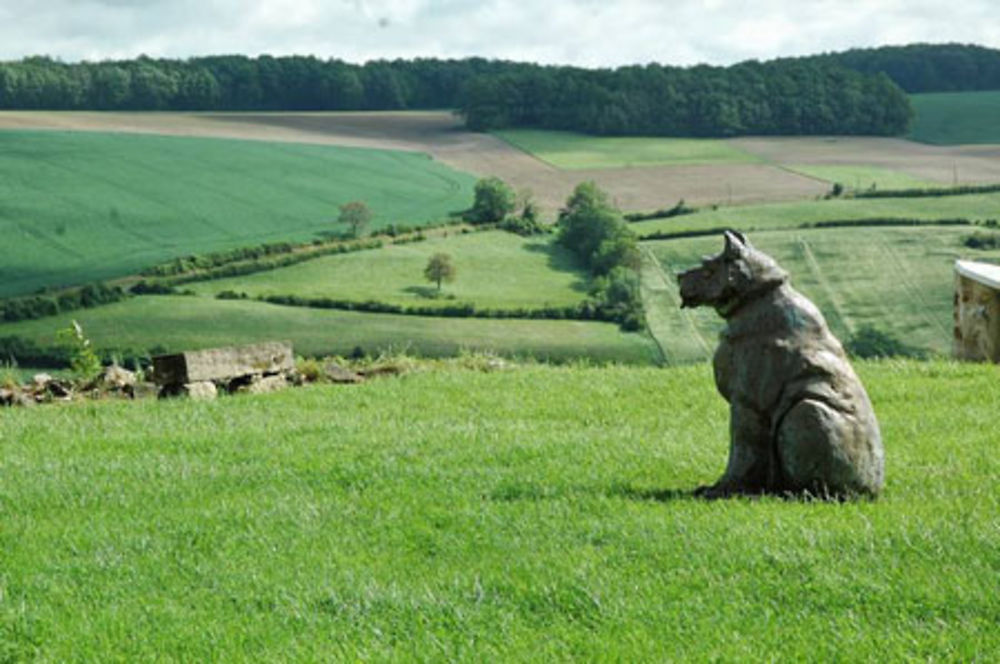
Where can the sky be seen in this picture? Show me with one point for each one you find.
(588, 33)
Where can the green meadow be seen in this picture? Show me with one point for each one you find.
(572, 151)
(771, 216)
(76, 207)
(896, 279)
(956, 118)
(532, 514)
(860, 177)
(176, 323)
(494, 270)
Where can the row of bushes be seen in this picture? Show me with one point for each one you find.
(833, 223)
(249, 267)
(982, 241)
(664, 213)
(928, 192)
(26, 352)
(586, 310)
(39, 306)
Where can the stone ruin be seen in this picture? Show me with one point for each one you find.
(977, 311)
(202, 374)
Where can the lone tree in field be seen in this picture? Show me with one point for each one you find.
(493, 201)
(355, 214)
(440, 268)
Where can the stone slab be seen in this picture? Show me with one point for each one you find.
(223, 364)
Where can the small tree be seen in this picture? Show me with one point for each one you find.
(493, 201)
(440, 268)
(355, 214)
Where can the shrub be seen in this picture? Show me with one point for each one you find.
(869, 342)
(493, 201)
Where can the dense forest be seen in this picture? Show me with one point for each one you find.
(927, 67)
(849, 93)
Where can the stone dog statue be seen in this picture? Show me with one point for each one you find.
(800, 420)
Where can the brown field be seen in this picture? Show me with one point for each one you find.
(440, 134)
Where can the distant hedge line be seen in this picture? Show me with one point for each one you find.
(39, 306)
(586, 310)
(928, 192)
(26, 352)
(664, 213)
(834, 223)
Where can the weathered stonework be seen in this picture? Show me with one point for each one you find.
(218, 364)
(977, 311)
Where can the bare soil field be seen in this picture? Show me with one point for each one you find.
(441, 134)
(969, 164)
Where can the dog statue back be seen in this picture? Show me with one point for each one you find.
(800, 420)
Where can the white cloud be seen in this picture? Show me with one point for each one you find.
(581, 32)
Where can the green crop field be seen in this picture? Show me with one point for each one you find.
(77, 207)
(860, 177)
(955, 118)
(771, 216)
(177, 323)
(534, 514)
(495, 270)
(898, 280)
(568, 150)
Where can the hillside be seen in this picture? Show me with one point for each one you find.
(77, 207)
(897, 280)
(956, 118)
(528, 514)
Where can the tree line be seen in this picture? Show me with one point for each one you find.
(927, 67)
(854, 92)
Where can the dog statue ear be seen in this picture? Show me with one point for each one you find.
(736, 242)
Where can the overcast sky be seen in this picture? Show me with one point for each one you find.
(579, 32)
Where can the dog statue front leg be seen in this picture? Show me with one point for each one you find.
(749, 469)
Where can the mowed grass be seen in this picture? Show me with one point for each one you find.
(536, 514)
(956, 118)
(494, 270)
(78, 207)
(860, 177)
(771, 216)
(176, 323)
(572, 151)
(898, 280)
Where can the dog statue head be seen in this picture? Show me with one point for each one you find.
(730, 279)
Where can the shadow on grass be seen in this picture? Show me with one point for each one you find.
(428, 292)
(561, 260)
(656, 495)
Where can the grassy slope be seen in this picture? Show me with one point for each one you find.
(950, 118)
(495, 269)
(77, 207)
(896, 279)
(531, 515)
(860, 177)
(571, 151)
(786, 215)
(178, 323)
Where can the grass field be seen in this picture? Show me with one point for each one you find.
(859, 177)
(77, 207)
(495, 270)
(956, 118)
(571, 151)
(770, 216)
(179, 323)
(898, 280)
(536, 514)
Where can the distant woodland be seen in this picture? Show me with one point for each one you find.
(854, 92)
